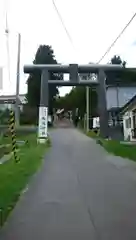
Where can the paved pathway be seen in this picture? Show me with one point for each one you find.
(81, 193)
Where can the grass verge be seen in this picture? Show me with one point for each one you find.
(5, 150)
(92, 134)
(115, 147)
(15, 176)
(119, 149)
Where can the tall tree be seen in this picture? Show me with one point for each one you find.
(117, 60)
(44, 55)
(115, 76)
(122, 78)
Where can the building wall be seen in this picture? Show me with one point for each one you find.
(127, 130)
(5, 105)
(119, 96)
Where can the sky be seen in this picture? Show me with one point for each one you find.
(93, 25)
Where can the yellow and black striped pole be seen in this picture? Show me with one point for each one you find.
(13, 136)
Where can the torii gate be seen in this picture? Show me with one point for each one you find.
(73, 70)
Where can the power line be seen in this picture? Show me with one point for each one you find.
(63, 24)
(109, 48)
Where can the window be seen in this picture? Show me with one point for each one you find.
(128, 123)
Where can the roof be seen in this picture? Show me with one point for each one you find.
(120, 84)
(8, 97)
(114, 109)
(8, 101)
(113, 82)
(130, 104)
(11, 98)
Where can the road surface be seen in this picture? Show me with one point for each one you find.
(80, 193)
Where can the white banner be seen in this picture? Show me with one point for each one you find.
(43, 122)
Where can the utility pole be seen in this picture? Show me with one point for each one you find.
(87, 109)
(7, 46)
(17, 113)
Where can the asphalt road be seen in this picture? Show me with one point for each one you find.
(80, 193)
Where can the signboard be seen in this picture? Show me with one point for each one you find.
(43, 122)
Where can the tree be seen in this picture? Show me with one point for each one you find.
(115, 76)
(117, 60)
(44, 55)
(77, 99)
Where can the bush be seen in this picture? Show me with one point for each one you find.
(29, 116)
(4, 116)
(81, 123)
(93, 133)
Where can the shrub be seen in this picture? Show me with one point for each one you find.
(29, 116)
(94, 133)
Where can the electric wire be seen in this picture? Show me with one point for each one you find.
(112, 44)
(64, 26)
(62, 21)
(116, 39)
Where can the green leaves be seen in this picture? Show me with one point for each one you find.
(77, 99)
(44, 55)
(120, 77)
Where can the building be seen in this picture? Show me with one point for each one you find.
(128, 113)
(8, 101)
(117, 93)
(117, 96)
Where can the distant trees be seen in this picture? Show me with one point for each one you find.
(120, 77)
(44, 55)
(117, 60)
(77, 99)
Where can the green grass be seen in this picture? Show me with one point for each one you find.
(15, 176)
(92, 134)
(118, 149)
(5, 150)
(115, 147)
(5, 139)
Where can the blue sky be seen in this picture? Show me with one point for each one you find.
(93, 25)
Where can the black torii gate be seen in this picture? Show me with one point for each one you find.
(73, 70)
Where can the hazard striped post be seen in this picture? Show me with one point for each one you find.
(13, 135)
